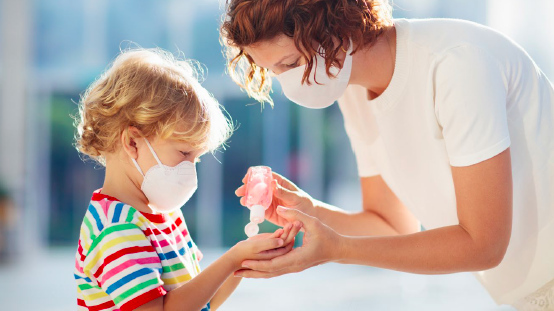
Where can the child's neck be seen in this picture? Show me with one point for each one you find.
(119, 185)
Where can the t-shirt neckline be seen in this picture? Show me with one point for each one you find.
(401, 70)
(156, 218)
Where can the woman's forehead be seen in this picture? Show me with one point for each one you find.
(270, 53)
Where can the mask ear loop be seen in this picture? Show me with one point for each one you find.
(137, 166)
(154, 153)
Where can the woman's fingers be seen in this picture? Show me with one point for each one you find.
(285, 182)
(252, 274)
(278, 263)
(241, 191)
(284, 194)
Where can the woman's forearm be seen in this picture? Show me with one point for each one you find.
(363, 223)
(438, 251)
(225, 292)
(196, 293)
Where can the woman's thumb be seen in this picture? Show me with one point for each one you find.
(292, 214)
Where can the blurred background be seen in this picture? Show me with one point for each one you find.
(51, 50)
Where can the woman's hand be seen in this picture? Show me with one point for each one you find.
(265, 246)
(321, 244)
(285, 193)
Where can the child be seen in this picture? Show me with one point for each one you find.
(148, 120)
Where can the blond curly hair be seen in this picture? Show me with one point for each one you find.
(156, 92)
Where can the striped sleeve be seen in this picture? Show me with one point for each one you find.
(123, 263)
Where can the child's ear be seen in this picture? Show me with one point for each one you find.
(129, 140)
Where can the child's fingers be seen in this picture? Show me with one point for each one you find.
(243, 201)
(296, 226)
(286, 230)
(267, 244)
(277, 233)
(272, 253)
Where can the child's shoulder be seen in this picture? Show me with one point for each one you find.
(104, 211)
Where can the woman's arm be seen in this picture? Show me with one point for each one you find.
(382, 214)
(478, 242)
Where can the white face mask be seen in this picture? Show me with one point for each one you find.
(168, 188)
(321, 94)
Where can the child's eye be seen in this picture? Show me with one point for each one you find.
(186, 154)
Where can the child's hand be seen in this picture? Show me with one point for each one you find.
(290, 230)
(265, 246)
(287, 234)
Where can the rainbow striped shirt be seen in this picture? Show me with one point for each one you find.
(127, 258)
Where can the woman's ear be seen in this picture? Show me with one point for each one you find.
(130, 138)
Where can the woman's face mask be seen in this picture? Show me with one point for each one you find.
(320, 94)
(168, 188)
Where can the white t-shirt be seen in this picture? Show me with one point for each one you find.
(460, 94)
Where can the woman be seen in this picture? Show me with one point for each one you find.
(451, 124)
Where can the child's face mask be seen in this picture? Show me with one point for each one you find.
(168, 188)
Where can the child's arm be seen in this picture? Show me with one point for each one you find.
(194, 294)
(288, 233)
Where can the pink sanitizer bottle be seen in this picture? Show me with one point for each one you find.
(259, 193)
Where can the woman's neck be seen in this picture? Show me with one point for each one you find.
(373, 67)
(119, 184)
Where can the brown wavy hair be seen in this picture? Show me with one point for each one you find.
(247, 22)
(154, 91)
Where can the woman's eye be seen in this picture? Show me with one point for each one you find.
(293, 65)
(186, 154)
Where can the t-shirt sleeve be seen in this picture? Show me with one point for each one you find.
(470, 105)
(123, 263)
